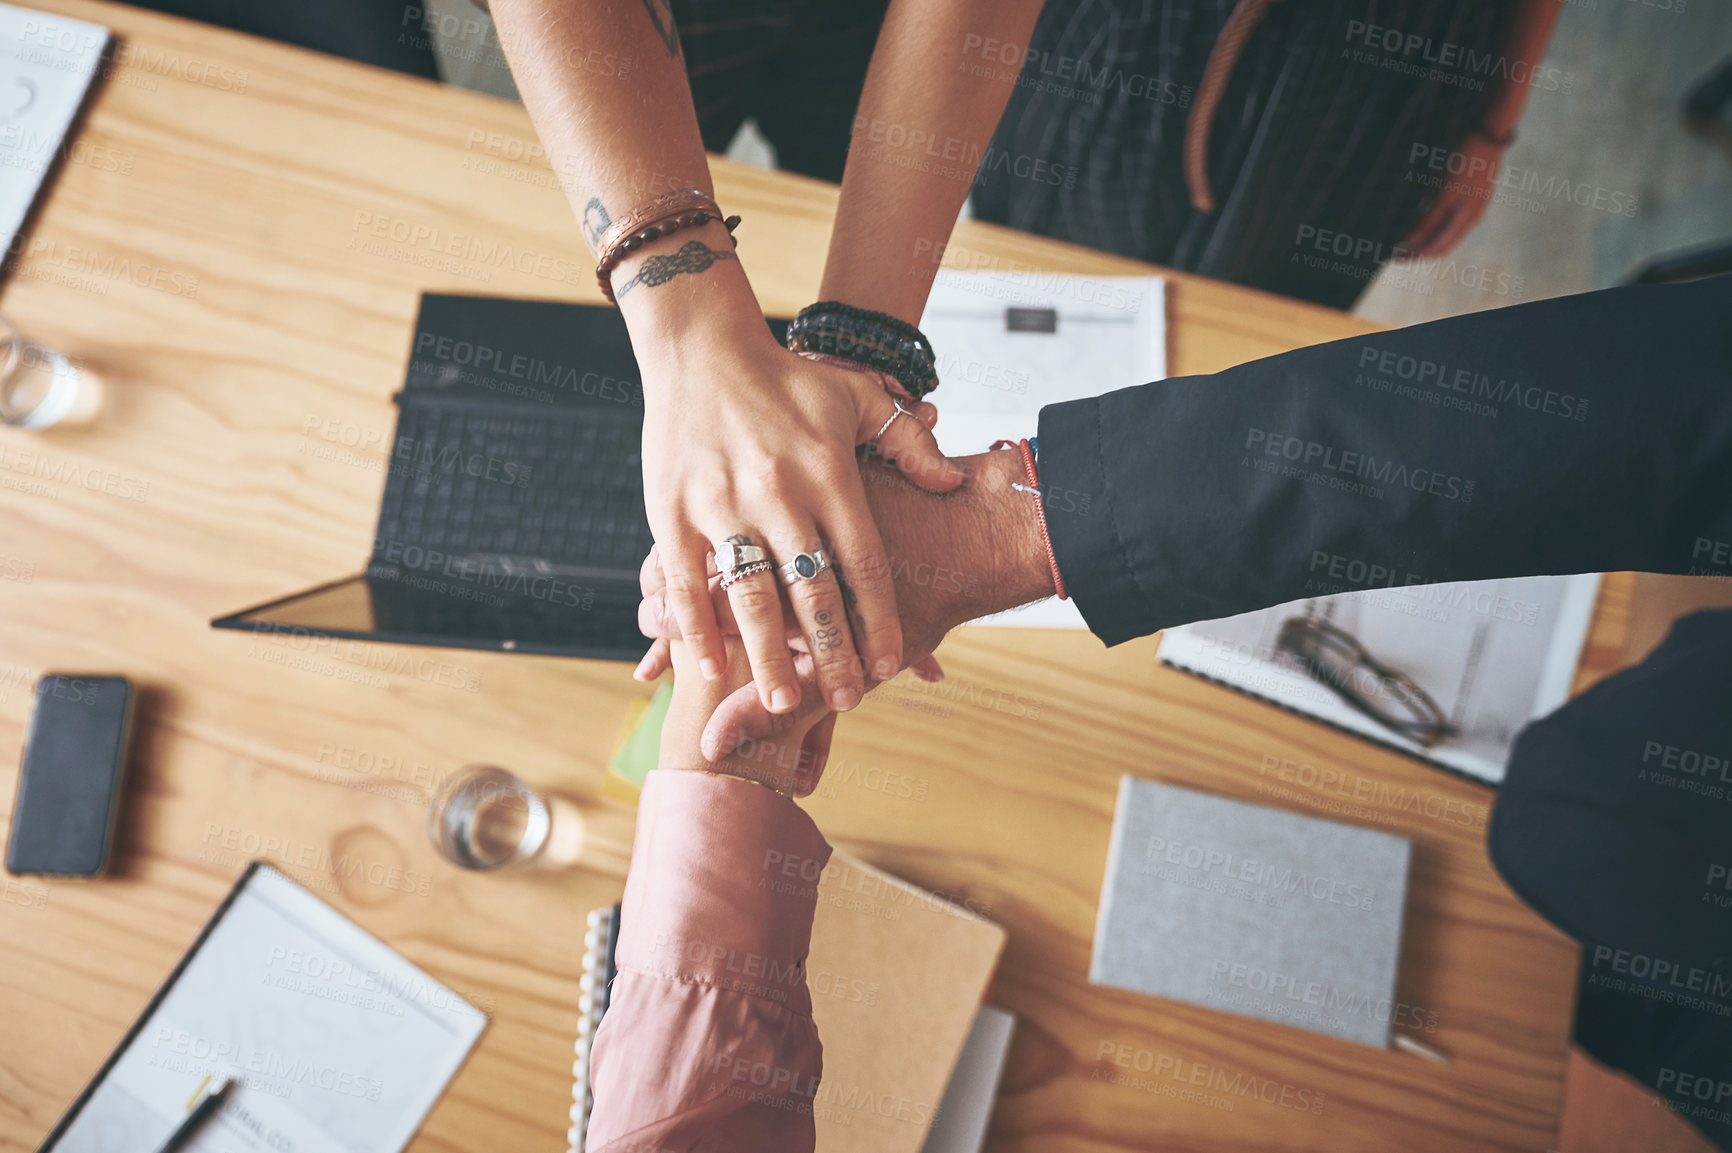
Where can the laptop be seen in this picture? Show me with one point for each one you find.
(513, 515)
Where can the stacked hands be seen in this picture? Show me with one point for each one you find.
(934, 560)
(761, 449)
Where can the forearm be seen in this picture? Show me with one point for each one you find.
(1530, 31)
(1588, 434)
(931, 102)
(720, 869)
(605, 85)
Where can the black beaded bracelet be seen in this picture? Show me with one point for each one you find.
(874, 339)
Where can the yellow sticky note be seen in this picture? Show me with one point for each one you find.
(640, 749)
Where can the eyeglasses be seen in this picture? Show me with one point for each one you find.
(1387, 695)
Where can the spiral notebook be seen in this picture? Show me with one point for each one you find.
(1490, 656)
(898, 975)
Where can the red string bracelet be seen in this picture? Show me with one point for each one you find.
(1033, 486)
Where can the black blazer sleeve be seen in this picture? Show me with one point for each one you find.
(1590, 433)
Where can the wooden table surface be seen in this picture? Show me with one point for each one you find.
(211, 252)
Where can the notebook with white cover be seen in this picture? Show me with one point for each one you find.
(1252, 910)
(338, 1044)
(1492, 655)
(1010, 343)
(47, 62)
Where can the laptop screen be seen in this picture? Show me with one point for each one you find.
(374, 609)
(537, 352)
(513, 511)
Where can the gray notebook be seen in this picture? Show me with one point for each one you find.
(1252, 910)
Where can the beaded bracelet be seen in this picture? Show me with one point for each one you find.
(874, 339)
(663, 216)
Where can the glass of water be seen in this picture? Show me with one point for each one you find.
(487, 818)
(40, 387)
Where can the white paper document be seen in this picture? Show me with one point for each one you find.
(46, 64)
(1492, 656)
(338, 1044)
(1008, 344)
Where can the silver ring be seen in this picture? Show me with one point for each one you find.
(750, 568)
(806, 566)
(737, 552)
(900, 411)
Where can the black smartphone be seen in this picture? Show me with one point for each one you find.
(69, 786)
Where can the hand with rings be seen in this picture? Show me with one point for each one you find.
(961, 555)
(758, 469)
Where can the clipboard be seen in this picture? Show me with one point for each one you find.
(337, 1044)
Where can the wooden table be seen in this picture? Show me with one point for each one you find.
(212, 255)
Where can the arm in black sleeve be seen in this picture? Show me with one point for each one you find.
(1590, 433)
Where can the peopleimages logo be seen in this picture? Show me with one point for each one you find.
(1350, 786)
(1061, 75)
(1515, 181)
(1442, 377)
(424, 459)
(1364, 466)
(484, 358)
(271, 1065)
(727, 959)
(1326, 998)
(1233, 867)
(1225, 1084)
(1661, 971)
(1691, 762)
(1697, 1086)
(952, 156)
(1412, 53)
(1718, 552)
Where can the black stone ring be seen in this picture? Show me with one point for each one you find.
(806, 566)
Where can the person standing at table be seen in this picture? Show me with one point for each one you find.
(1294, 146)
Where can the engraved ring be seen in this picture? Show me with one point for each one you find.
(750, 568)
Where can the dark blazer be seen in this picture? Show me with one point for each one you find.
(1591, 433)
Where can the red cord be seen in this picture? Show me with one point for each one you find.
(1039, 511)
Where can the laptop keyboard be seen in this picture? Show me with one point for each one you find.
(558, 492)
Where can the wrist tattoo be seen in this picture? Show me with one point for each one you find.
(662, 19)
(595, 221)
(693, 258)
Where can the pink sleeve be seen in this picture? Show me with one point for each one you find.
(708, 1044)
